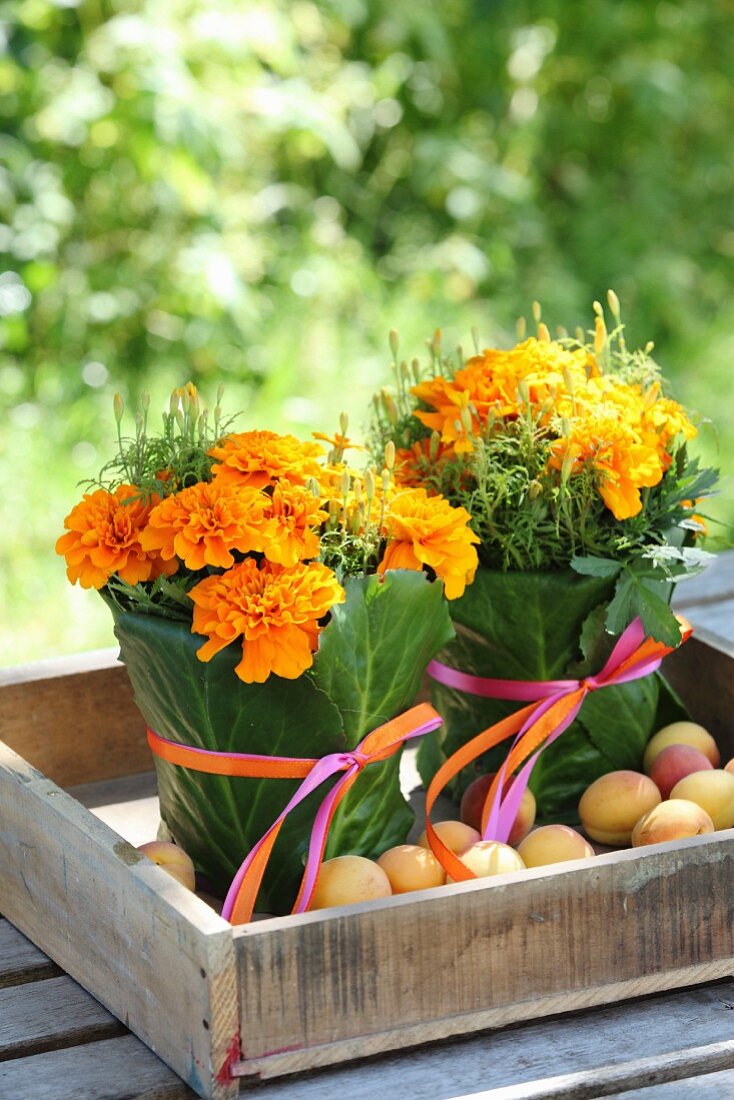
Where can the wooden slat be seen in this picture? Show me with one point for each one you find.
(74, 718)
(362, 979)
(51, 1014)
(711, 1086)
(20, 960)
(607, 1080)
(155, 955)
(116, 1069)
(518, 1057)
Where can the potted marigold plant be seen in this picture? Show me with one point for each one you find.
(269, 601)
(575, 468)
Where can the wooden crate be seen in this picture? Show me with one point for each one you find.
(291, 993)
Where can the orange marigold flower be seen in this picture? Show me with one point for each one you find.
(274, 610)
(104, 538)
(414, 464)
(288, 535)
(622, 462)
(259, 458)
(426, 530)
(202, 524)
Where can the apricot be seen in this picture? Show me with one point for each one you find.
(172, 859)
(347, 879)
(674, 763)
(671, 820)
(614, 803)
(681, 733)
(729, 766)
(490, 857)
(553, 844)
(472, 804)
(455, 834)
(713, 791)
(410, 867)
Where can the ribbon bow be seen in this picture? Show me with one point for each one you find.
(380, 744)
(555, 704)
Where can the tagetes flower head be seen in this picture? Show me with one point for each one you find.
(204, 523)
(413, 464)
(427, 530)
(290, 534)
(668, 419)
(260, 458)
(490, 386)
(622, 463)
(274, 610)
(104, 538)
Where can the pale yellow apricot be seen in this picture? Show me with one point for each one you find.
(553, 844)
(411, 867)
(455, 834)
(347, 879)
(490, 857)
(672, 820)
(614, 803)
(713, 791)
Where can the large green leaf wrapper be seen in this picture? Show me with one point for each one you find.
(368, 668)
(543, 626)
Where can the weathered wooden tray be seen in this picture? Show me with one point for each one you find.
(225, 1006)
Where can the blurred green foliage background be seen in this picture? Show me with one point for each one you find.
(256, 192)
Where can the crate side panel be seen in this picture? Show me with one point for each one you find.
(486, 954)
(76, 724)
(702, 672)
(154, 954)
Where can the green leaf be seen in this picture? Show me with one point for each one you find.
(595, 567)
(636, 594)
(374, 651)
(619, 720)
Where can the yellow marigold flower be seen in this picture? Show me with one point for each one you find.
(204, 523)
(289, 534)
(276, 612)
(104, 538)
(426, 530)
(622, 463)
(668, 419)
(489, 385)
(259, 458)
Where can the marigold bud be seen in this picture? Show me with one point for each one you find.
(389, 455)
(119, 406)
(614, 304)
(434, 445)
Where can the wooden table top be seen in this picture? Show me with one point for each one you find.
(57, 1042)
